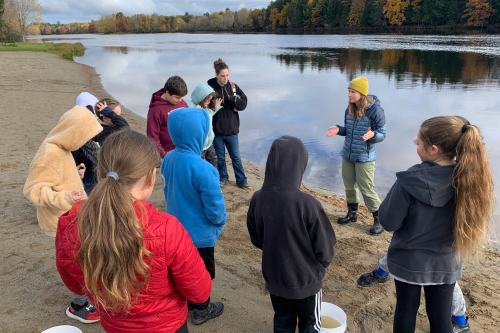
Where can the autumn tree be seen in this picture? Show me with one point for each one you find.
(27, 12)
(357, 8)
(478, 11)
(62, 30)
(394, 10)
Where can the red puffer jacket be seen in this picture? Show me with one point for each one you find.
(178, 273)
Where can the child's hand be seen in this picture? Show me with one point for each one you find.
(77, 195)
(81, 170)
(333, 130)
(218, 101)
(101, 106)
(368, 134)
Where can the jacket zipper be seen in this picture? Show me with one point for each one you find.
(352, 137)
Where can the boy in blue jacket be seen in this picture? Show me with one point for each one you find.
(193, 194)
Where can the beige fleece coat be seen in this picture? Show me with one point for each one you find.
(52, 174)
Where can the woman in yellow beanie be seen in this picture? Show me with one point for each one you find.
(364, 127)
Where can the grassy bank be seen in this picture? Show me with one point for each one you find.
(65, 50)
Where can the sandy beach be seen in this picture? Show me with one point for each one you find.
(37, 88)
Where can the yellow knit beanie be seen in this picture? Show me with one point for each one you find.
(359, 84)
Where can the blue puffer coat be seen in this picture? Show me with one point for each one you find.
(355, 148)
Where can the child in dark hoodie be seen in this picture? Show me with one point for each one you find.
(162, 103)
(109, 111)
(294, 267)
(439, 211)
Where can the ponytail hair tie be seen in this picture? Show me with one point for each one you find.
(112, 174)
(464, 128)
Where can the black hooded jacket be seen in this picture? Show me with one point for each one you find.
(227, 121)
(420, 208)
(289, 226)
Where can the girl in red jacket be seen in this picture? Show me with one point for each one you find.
(137, 265)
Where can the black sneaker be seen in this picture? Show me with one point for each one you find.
(372, 278)
(461, 328)
(190, 306)
(212, 311)
(87, 314)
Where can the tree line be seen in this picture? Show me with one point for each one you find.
(291, 15)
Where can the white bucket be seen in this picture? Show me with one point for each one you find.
(63, 329)
(333, 311)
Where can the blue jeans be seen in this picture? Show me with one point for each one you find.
(233, 148)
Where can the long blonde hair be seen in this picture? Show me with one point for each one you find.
(112, 255)
(355, 112)
(472, 178)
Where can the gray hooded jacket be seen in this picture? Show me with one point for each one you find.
(420, 208)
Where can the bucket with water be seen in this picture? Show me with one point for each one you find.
(333, 318)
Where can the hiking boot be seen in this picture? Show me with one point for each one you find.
(212, 311)
(377, 228)
(352, 214)
(87, 314)
(190, 306)
(245, 187)
(372, 278)
(461, 328)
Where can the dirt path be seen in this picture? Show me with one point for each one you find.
(36, 88)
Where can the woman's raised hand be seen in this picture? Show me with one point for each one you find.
(368, 134)
(333, 130)
(218, 101)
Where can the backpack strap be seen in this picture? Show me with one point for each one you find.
(233, 86)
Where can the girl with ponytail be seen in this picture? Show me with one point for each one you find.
(440, 211)
(135, 264)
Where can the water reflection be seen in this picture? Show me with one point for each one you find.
(408, 68)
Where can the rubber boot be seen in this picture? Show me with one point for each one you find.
(376, 229)
(352, 214)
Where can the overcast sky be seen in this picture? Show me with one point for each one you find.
(67, 11)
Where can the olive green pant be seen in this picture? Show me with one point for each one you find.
(356, 174)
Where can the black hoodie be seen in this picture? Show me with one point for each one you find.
(420, 208)
(289, 226)
(227, 121)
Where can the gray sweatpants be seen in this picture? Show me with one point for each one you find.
(457, 306)
(79, 299)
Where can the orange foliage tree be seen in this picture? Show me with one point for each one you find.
(356, 12)
(394, 10)
(478, 12)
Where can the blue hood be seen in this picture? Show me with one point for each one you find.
(188, 128)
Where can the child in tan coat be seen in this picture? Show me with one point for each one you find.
(54, 184)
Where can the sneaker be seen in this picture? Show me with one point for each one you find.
(190, 306)
(212, 311)
(222, 183)
(245, 187)
(87, 314)
(372, 278)
(461, 328)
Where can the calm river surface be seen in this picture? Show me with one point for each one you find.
(297, 85)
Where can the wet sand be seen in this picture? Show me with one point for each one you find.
(37, 88)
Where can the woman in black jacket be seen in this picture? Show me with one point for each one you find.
(226, 124)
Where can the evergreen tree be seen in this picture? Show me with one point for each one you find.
(2, 2)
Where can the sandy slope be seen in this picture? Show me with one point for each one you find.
(35, 89)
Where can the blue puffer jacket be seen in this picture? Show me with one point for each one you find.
(355, 148)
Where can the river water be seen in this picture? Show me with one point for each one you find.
(297, 85)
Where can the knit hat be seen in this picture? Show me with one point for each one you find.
(359, 84)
